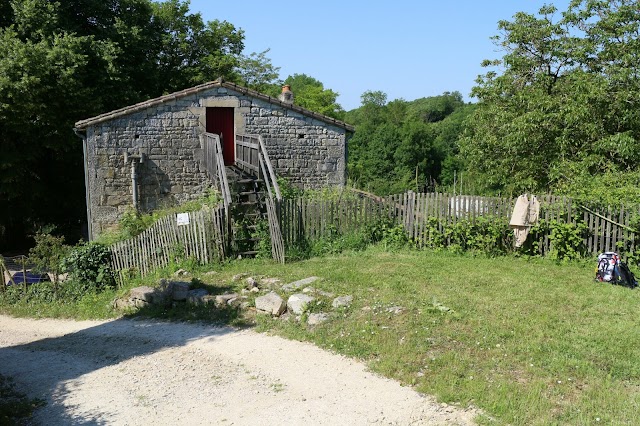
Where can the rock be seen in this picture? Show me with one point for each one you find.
(342, 301)
(195, 297)
(308, 290)
(150, 295)
(298, 302)
(299, 284)
(238, 277)
(251, 283)
(223, 299)
(144, 293)
(180, 273)
(209, 298)
(270, 282)
(237, 301)
(210, 273)
(122, 304)
(395, 310)
(245, 305)
(180, 290)
(139, 303)
(271, 303)
(319, 318)
(255, 290)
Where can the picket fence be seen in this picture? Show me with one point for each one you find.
(207, 237)
(203, 236)
(607, 230)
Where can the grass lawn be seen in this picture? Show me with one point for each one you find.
(528, 341)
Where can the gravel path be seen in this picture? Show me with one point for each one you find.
(133, 372)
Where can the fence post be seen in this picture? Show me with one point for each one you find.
(2, 279)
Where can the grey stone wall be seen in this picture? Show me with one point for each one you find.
(308, 152)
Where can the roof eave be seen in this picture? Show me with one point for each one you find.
(82, 124)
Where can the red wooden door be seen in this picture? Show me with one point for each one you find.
(220, 122)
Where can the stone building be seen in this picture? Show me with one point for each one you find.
(152, 151)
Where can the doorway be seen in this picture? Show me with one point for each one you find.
(220, 122)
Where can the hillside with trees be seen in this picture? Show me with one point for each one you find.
(401, 145)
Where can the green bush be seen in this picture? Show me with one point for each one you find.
(567, 240)
(89, 266)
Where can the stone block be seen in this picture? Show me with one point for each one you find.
(271, 303)
(196, 296)
(223, 299)
(295, 285)
(180, 290)
(298, 302)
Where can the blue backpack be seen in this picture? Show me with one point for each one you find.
(611, 269)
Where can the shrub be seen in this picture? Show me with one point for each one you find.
(89, 265)
(48, 253)
(567, 240)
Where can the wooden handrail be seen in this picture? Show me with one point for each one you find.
(272, 174)
(214, 163)
(251, 156)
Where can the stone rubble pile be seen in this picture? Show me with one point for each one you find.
(269, 298)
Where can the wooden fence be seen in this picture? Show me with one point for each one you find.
(201, 235)
(607, 230)
(206, 236)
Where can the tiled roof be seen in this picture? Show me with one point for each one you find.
(202, 87)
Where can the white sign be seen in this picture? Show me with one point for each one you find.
(182, 219)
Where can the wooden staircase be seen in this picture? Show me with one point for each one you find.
(247, 209)
(250, 193)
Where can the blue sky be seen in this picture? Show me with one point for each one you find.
(407, 49)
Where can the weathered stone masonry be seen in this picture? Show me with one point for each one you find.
(162, 137)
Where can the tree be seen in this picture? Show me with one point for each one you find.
(395, 141)
(64, 61)
(310, 93)
(258, 73)
(565, 106)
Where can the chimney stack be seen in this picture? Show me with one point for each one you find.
(287, 95)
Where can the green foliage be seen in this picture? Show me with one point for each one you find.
(560, 114)
(310, 93)
(48, 253)
(257, 73)
(65, 61)
(133, 222)
(488, 236)
(89, 266)
(287, 190)
(404, 145)
(567, 240)
(262, 234)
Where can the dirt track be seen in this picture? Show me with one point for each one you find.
(141, 373)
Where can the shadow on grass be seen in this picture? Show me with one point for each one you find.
(52, 368)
